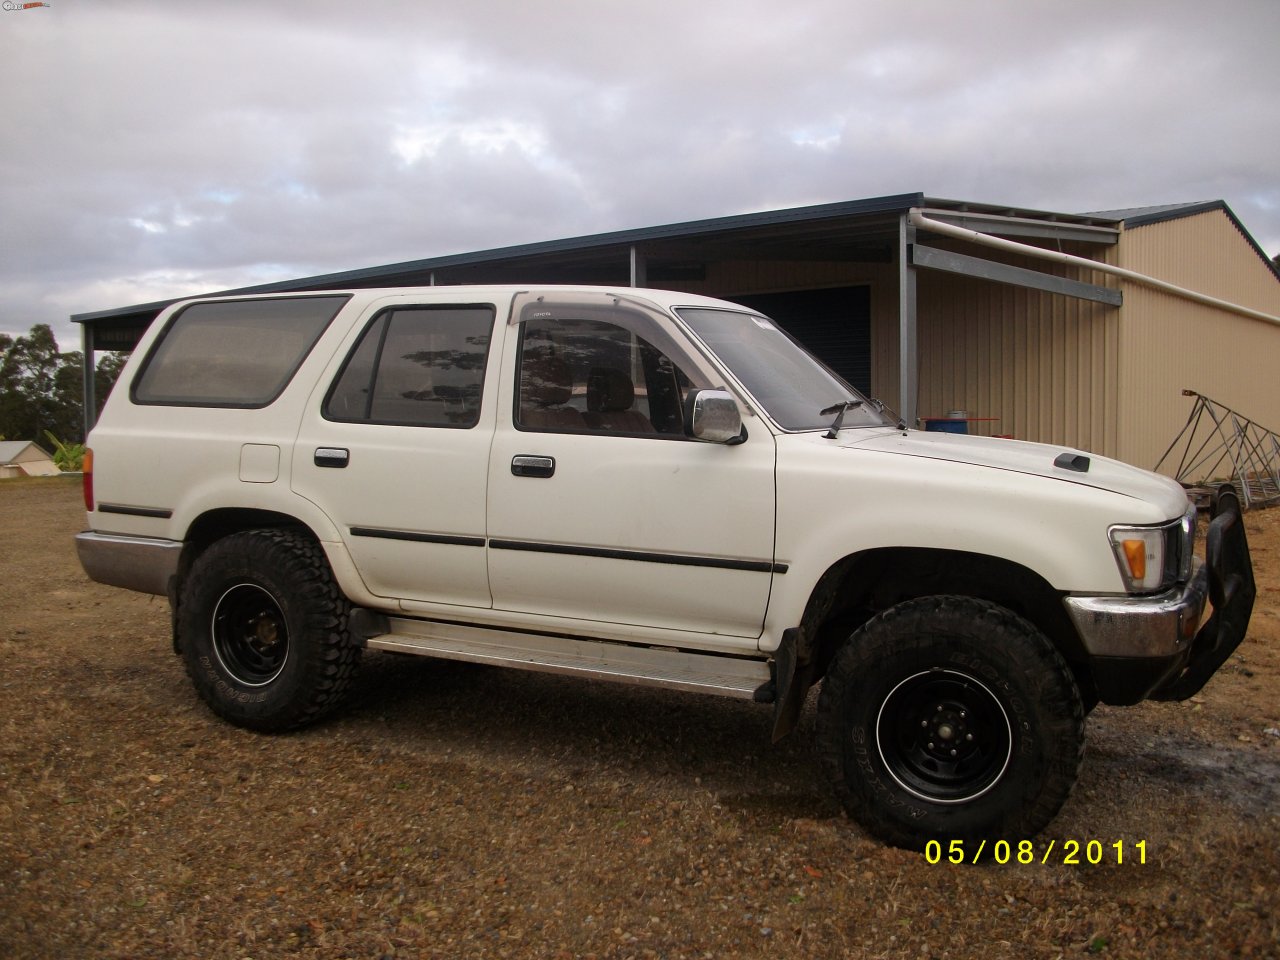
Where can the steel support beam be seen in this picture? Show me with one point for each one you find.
(639, 268)
(88, 365)
(1039, 228)
(950, 262)
(908, 360)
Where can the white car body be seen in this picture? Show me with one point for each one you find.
(873, 487)
(627, 548)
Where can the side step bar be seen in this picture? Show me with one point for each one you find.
(649, 666)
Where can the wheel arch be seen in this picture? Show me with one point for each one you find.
(217, 524)
(279, 654)
(861, 585)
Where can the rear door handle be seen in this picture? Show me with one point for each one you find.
(528, 465)
(331, 457)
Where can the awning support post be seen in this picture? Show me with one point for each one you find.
(639, 272)
(908, 361)
(88, 365)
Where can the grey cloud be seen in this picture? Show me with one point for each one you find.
(161, 149)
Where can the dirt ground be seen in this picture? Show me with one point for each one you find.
(458, 811)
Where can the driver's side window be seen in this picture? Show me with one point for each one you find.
(592, 376)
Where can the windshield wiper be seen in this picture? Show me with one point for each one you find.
(838, 409)
(891, 414)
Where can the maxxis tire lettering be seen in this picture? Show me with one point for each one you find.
(225, 688)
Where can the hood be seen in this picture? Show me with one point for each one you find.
(1035, 459)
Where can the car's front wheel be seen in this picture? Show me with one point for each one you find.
(950, 718)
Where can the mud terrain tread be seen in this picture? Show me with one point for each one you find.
(920, 628)
(294, 568)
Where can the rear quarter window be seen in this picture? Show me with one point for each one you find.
(233, 353)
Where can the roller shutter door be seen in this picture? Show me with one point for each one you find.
(833, 324)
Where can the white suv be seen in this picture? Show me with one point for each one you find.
(651, 487)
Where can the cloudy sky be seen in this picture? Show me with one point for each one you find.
(155, 149)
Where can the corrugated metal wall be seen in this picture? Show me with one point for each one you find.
(1038, 362)
(1060, 370)
(1170, 344)
(1041, 364)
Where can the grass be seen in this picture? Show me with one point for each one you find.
(38, 481)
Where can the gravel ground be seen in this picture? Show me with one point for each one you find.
(459, 811)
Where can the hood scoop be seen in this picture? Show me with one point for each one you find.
(1076, 462)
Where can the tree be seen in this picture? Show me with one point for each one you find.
(11, 399)
(106, 374)
(41, 388)
(66, 415)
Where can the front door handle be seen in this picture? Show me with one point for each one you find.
(527, 465)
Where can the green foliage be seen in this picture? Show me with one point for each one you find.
(67, 456)
(42, 389)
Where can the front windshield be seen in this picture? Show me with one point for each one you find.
(796, 390)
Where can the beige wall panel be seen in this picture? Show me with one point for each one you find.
(1205, 253)
(884, 339)
(1170, 344)
(1042, 363)
(776, 276)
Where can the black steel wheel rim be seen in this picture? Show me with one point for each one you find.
(944, 736)
(250, 636)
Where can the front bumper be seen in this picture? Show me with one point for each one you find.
(1149, 647)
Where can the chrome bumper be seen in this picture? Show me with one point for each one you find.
(1156, 647)
(135, 563)
(1159, 626)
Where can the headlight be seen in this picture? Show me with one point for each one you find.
(1153, 558)
(1140, 554)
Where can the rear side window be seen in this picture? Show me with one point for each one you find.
(420, 366)
(235, 353)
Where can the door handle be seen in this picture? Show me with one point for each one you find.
(527, 465)
(331, 457)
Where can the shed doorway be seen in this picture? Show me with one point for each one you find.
(834, 324)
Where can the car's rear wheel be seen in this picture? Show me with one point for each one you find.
(262, 627)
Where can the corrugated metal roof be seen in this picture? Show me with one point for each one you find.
(393, 274)
(1146, 216)
(1141, 216)
(823, 226)
(820, 223)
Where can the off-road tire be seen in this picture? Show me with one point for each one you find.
(950, 718)
(262, 628)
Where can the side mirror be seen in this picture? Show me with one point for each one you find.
(712, 416)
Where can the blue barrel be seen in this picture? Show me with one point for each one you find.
(945, 425)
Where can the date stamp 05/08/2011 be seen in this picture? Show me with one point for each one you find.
(1066, 852)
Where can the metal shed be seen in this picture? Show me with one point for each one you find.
(1076, 329)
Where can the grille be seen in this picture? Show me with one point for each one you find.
(1179, 546)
